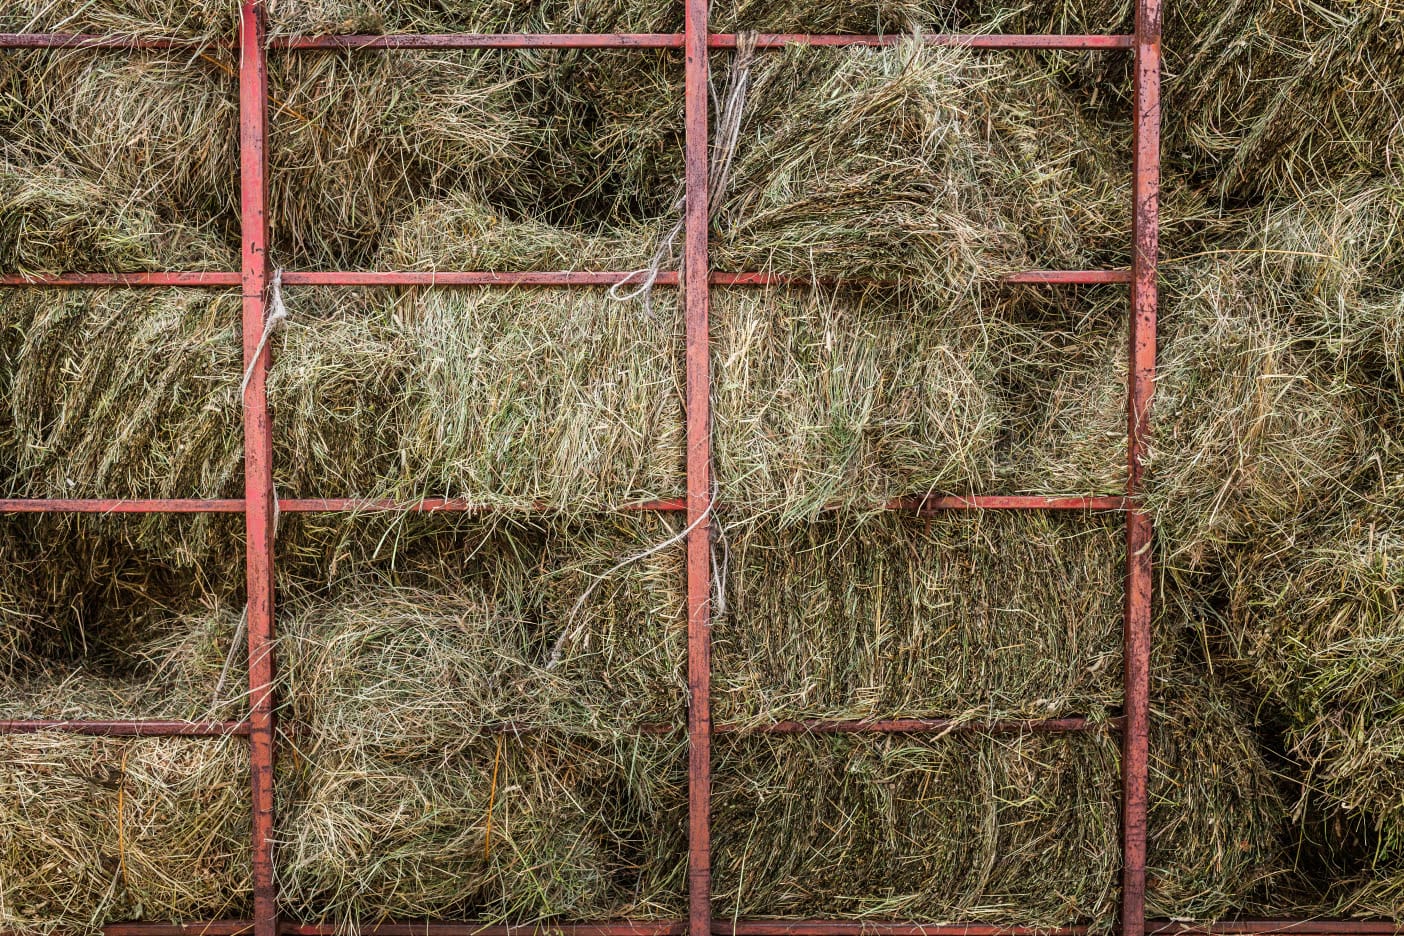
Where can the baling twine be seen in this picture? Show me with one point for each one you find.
(276, 319)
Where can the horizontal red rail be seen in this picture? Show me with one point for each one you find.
(1277, 927)
(564, 41)
(828, 726)
(924, 726)
(621, 928)
(882, 928)
(1070, 277)
(529, 278)
(1007, 502)
(107, 505)
(766, 928)
(128, 728)
(484, 41)
(123, 279)
(459, 505)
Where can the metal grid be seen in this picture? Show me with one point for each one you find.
(695, 280)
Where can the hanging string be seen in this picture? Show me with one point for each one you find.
(726, 138)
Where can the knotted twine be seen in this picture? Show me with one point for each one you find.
(276, 319)
(728, 134)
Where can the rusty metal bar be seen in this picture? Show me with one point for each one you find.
(527, 278)
(129, 728)
(1277, 928)
(924, 726)
(1321, 927)
(966, 40)
(619, 928)
(89, 41)
(104, 506)
(191, 278)
(258, 452)
(696, 274)
(447, 505)
(883, 928)
(485, 41)
(566, 41)
(923, 505)
(1006, 502)
(1139, 531)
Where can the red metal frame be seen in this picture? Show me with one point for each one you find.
(127, 728)
(1140, 384)
(258, 503)
(258, 452)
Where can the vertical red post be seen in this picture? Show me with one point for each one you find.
(695, 280)
(1139, 531)
(258, 452)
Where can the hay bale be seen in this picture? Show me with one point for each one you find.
(122, 393)
(848, 399)
(563, 399)
(75, 586)
(918, 163)
(97, 830)
(190, 666)
(518, 829)
(978, 617)
(1279, 369)
(118, 160)
(1018, 830)
(485, 625)
(215, 20)
(1316, 627)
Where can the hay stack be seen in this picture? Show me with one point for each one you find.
(562, 399)
(917, 163)
(982, 617)
(1279, 369)
(1317, 627)
(117, 161)
(514, 829)
(452, 632)
(1010, 830)
(93, 830)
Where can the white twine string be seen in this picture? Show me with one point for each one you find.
(728, 134)
(572, 630)
(277, 318)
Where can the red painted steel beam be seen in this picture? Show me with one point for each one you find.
(1139, 530)
(124, 279)
(966, 40)
(883, 928)
(258, 453)
(104, 506)
(462, 505)
(620, 928)
(1319, 927)
(566, 41)
(1006, 502)
(1278, 928)
(924, 726)
(129, 728)
(563, 278)
(696, 270)
(485, 41)
(89, 41)
(446, 505)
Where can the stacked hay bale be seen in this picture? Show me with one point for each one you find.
(478, 721)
